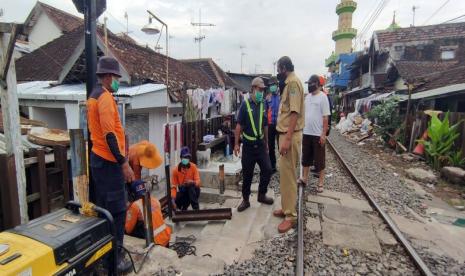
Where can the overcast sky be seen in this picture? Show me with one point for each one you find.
(268, 29)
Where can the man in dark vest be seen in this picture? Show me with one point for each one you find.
(253, 128)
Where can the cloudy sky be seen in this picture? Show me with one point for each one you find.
(267, 29)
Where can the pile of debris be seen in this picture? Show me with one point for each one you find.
(355, 127)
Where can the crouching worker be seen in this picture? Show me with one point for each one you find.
(135, 216)
(185, 183)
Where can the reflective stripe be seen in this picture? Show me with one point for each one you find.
(252, 122)
(159, 230)
(139, 205)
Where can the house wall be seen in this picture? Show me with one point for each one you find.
(43, 32)
(148, 124)
(54, 117)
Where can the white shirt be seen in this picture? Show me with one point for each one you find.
(316, 106)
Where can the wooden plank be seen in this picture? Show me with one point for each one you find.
(39, 184)
(11, 121)
(61, 162)
(79, 165)
(9, 192)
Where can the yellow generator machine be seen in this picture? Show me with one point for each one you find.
(60, 243)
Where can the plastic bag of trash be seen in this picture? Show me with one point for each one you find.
(365, 126)
(203, 158)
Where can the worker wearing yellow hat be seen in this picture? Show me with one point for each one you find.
(144, 155)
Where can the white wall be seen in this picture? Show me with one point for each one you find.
(157, 120)
(43, 32)
(72, 115)
(54, 117)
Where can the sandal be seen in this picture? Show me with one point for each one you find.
(300, 181)
(319, 189)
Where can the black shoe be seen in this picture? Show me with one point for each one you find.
(244, 205)
(274, 170)
(124, 265)
(262, 198)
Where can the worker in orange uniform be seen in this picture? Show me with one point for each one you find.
(143, 155)
(135, 216)
(109, 166)
(185, 183)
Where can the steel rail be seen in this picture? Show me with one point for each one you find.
(392, 226)
(300, 232)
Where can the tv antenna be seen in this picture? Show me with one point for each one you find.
(242, 47)
(200, 37)
(414, 9)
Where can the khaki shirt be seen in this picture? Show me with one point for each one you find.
(292, 100)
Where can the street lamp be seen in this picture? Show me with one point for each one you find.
(152, 29)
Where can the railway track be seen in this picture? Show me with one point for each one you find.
(403, 241)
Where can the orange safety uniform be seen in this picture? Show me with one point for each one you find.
(103, 118)
(185, 175)
(135, 213)
(134, 158)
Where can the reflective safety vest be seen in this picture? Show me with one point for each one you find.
(161, 232)
(258, 135)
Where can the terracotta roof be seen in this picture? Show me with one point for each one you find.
(142, 64)
(47, 62)
(416, 70)
(212, 70)
(66, 22)
(447, 77)
(387, 38)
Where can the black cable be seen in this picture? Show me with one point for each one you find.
(143, 259)
(183, 246)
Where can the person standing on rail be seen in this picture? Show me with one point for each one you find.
(289, 126)
(272, 109)
(253, 128)
(317, 112)
(109, 166)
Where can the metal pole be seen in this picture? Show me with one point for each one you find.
(90, 33)
(167, 153)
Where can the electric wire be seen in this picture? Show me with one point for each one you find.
(436, 11)
(453, 19)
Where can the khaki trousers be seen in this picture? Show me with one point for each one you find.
(288, 176)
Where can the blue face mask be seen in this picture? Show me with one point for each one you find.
(185, 161)
(274, 88)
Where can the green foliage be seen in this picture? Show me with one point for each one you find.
(442, 136)
(456, 160)
(385, 115)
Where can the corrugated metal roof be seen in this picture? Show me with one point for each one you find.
(438, 92)
(43, 90)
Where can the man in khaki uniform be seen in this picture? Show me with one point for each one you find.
(289, 126)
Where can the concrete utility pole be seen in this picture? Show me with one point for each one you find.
(201, 37)
(10, 112)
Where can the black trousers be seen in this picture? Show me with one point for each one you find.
(188, 196)
(110, 193)
(272, 139)
(251, 155)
